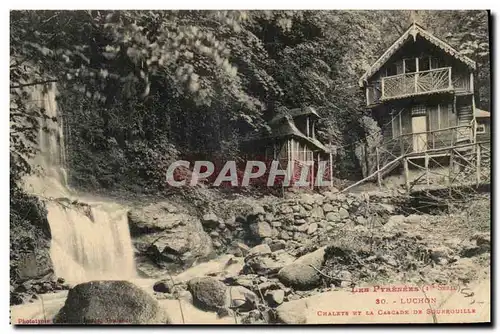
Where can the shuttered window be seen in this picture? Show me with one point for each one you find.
(441, 116)
(396, 123)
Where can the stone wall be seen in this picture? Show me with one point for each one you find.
(302, 218)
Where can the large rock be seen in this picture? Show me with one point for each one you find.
(110, 302)
(300, 274)
(168, 237)
(293, 312)
(208, 293)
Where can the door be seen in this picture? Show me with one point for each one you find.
(419, 128)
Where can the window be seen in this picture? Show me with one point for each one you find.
(418, 110)
(435, 63)
(410, 65)
(480, 128)
(424, 63)
(441, 116)
(396, 123)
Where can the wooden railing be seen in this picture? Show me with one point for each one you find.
(417, 143)
(423, 82)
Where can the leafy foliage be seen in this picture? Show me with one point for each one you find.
(142, 88)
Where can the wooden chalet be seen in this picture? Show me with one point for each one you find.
(292, 140)
(421, 93)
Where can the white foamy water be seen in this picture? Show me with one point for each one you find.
(88, 241)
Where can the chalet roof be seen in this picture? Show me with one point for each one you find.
(478, 113)
(294, 113)
(412, 32)
(287, 128)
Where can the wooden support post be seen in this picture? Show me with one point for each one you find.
(450, 171)
(478, 164)
(307, 126)
(407, 173)
(450, 82)
(416, 75)
(379, 179)
(427, 168)
(331, 169)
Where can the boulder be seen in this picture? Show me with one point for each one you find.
(300, 274)
(173, 239)
(208, 293)
(165, 286)
(293, 312)
(110, 302)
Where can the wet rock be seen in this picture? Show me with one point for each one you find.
(107, 302)
(275, 297)
(300, 275)
(165, 286)
(208, 293)
(292, 312)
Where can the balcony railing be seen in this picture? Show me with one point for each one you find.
(416, 83)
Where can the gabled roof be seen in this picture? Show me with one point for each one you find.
(478, 113)
(412, 32)
(287, 128)
(294, 113)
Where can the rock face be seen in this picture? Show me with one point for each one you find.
(300, 275)
(208, 293)
(29, 241)
(110, 302)
(167, 236)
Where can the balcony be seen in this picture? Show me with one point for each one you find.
(410, 84)
(418, 83)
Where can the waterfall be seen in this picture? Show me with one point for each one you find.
(89, 241)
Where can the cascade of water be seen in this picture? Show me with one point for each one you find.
(88, 241)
